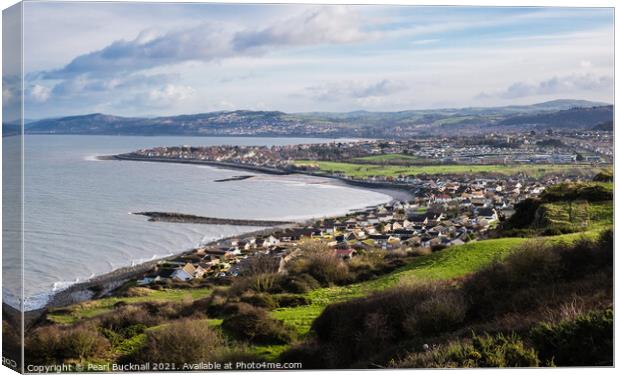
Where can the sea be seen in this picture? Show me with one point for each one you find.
(78, 224)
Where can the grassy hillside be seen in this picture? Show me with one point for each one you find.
(537, 307)
(448, 264)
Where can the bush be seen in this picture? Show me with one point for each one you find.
(259, 283)
(535, 273)
(300, 284)
(137, 291)
(320, 262)
(187, 341)
(130, 315)
(584, 341)
(440, 312)
(263, 300)
(290, 300)
(481, 351)
(51, 344)
(256, 326)
(356, 329)
(489, 290)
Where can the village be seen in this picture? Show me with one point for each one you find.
(444, 212)
(491, 149)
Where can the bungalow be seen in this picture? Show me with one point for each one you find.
(184, 273)
(344, 253)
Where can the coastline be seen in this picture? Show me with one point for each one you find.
(102, 284)
(396, 191)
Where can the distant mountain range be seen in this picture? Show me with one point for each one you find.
(557, 114)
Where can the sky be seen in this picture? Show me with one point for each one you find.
(165, 59)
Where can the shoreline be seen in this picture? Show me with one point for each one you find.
(101, 285)
(396, 191)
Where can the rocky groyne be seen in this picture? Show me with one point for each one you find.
(173, 217)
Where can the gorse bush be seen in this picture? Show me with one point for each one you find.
(320, 262)
(355, 329)
(254, 325)
(584, 341)
(51, 344)
(186, 341)
(480, 351)
(263, 300)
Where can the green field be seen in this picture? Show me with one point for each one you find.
(369, 170)
(389, 158)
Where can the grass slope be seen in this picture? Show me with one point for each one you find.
(447, 264)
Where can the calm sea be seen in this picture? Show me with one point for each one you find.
(76, 216)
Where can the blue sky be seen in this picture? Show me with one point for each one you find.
(161, 59)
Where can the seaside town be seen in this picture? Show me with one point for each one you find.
(449, 212)
(443, 210)
(519, 148)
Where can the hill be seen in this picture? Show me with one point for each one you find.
(574, 118)
(555, 114)
(604, 126)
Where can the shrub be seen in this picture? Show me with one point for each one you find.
(480, 351)
(584, 341)
(263, 300)
(137, 291)
(440, 312)
(260, 264)
(290, 300)
(81, 343)
(256, 326)
(302, 283)
(130, 315)
(260, 283)
(489, 289)
(310, 354)
(356, 329)
(320, 262)
(54, 345)
(187, 341)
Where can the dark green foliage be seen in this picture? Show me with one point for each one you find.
(357, 329)
(481, 351)
(525, 212)
(186, 341)
(584, 341)
(302, 283)
(532, 275)
(606, 175)
(263, 300)
(577, 191)
(320, 262)
(49, 345)
(256, 326)
(291, 300)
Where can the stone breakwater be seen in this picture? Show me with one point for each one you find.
(172, 217)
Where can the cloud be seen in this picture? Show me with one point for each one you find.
(211, 41)
(332, 24)
(39, 93)
(161, 97)
(355, 89)
(555, 85)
